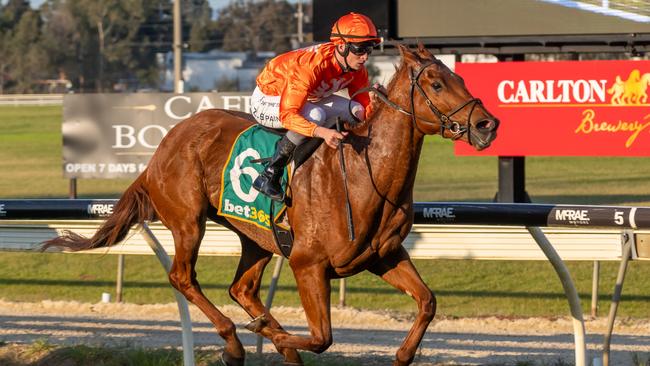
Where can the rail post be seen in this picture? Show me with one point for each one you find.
(120, 278)
(570, 291)
(342, 291)
(183, 310)
(628, 240)
(595, 279)
(269, 297)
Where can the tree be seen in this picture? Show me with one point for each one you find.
(199, 31)
(25, 57)
(10, 15)
(114, 25)
(61, 41)
(257, 26)
(95, 44)
(99, 43)
(276, 25)
(4, 61)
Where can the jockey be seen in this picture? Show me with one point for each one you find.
(295, 90)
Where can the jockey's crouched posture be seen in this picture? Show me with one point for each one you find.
(295, 91)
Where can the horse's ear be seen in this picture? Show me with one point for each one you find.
(403, 49)
(407, 55)
(424, 53)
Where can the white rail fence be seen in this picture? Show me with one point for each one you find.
(595, 233)
(30, 99)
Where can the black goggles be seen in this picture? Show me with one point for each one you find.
(362, 48)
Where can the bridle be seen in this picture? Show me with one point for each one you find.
(446, 122)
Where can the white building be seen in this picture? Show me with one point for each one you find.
(216, 70)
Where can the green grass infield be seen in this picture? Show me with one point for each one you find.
(463, 287)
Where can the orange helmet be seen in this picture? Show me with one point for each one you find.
(354, 28)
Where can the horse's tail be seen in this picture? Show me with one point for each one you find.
(134, 207)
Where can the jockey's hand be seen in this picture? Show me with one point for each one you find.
(332, 137)
(373, 95)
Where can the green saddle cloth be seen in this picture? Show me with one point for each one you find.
(238, 198)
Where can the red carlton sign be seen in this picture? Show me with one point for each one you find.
(575, 108)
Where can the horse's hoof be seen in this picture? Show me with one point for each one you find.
(257, 324)
(291, 357)
(229, 360)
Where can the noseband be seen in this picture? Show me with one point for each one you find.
(445, 120)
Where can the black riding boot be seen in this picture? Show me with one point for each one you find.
(268, 182)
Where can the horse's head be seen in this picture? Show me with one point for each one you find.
(439, 102)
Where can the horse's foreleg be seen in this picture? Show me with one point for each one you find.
(314, 290)
(182, 276)
(245, 290)
(400, 272)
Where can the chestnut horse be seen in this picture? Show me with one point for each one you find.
(181, 186)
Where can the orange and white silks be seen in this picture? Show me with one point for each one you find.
(309, 74)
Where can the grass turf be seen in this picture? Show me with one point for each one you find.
(463, 288)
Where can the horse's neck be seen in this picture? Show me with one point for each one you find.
(394, 151)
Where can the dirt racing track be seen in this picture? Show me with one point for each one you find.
(371, 338)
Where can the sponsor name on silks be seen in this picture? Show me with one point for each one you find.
(438, 213)
(573, 216)
(249, 212)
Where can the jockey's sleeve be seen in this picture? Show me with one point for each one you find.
(293, 99)
(360, 81)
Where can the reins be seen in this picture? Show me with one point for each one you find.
(445, 120)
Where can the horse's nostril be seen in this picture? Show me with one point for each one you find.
(487, 124)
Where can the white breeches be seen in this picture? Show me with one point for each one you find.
(266, 110)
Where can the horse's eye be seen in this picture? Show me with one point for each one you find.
(437, 86)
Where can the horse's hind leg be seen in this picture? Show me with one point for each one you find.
(400, 272)
(188, 233)
(245, 291)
